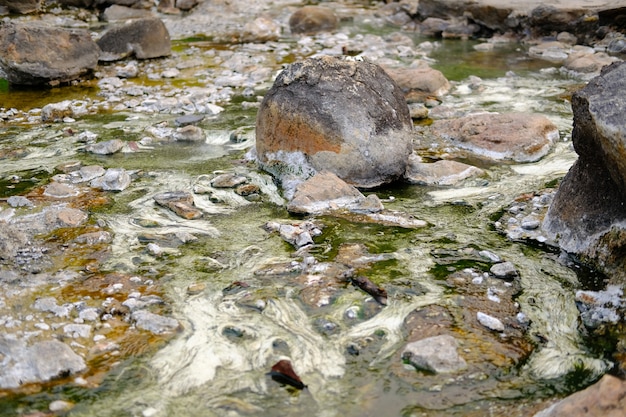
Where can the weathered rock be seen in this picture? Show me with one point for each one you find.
(329, 114)
(21, 6)
(154, 323)
(435, 354)
(519, 137)
(313, 19)
(32, 55)
(442, 172)
(41, 362)
(420, 83)
(180, 202)
(144, 38)
(587, 215)
(323, 192)
(107, 147)
(504, 270)
(114, 179)
(56, 112)
(606, 398)
(261, 29)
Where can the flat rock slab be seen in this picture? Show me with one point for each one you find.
(517, 137)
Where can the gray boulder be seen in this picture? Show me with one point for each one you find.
(145, 38)
(32, 55)
(329, 114)
(588, 214)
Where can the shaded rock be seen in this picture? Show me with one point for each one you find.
(519, 137)
(547, 19)
(606, 398)
(435, 354)
(587, 214)
(330, 114)
(313, 19)
(21, 6)
(31, 54)
(420, 83)
(41, 362)
(261, 29)
(323, 192)
(443, 172)
(144, 38)
(114, 179)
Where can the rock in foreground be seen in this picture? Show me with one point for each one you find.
(587, 214)
(329, 114)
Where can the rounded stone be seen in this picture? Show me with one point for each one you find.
(329, 114)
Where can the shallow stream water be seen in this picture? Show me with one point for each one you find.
(218, 364)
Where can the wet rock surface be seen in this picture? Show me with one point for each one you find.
(343, 116)
(130, 217)
(586, 214)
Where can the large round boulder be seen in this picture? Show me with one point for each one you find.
(32, 54)
(347, 117)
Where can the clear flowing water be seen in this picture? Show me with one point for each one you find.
(218, 364)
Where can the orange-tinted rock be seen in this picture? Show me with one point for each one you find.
(329, 114)
(313, 19)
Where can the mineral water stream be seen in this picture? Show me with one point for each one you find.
(218, 364)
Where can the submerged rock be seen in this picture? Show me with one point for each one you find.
(329, 114)
(442, 172)
(587, 214)
(518, 137)
(32, 54)
(435, 354)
